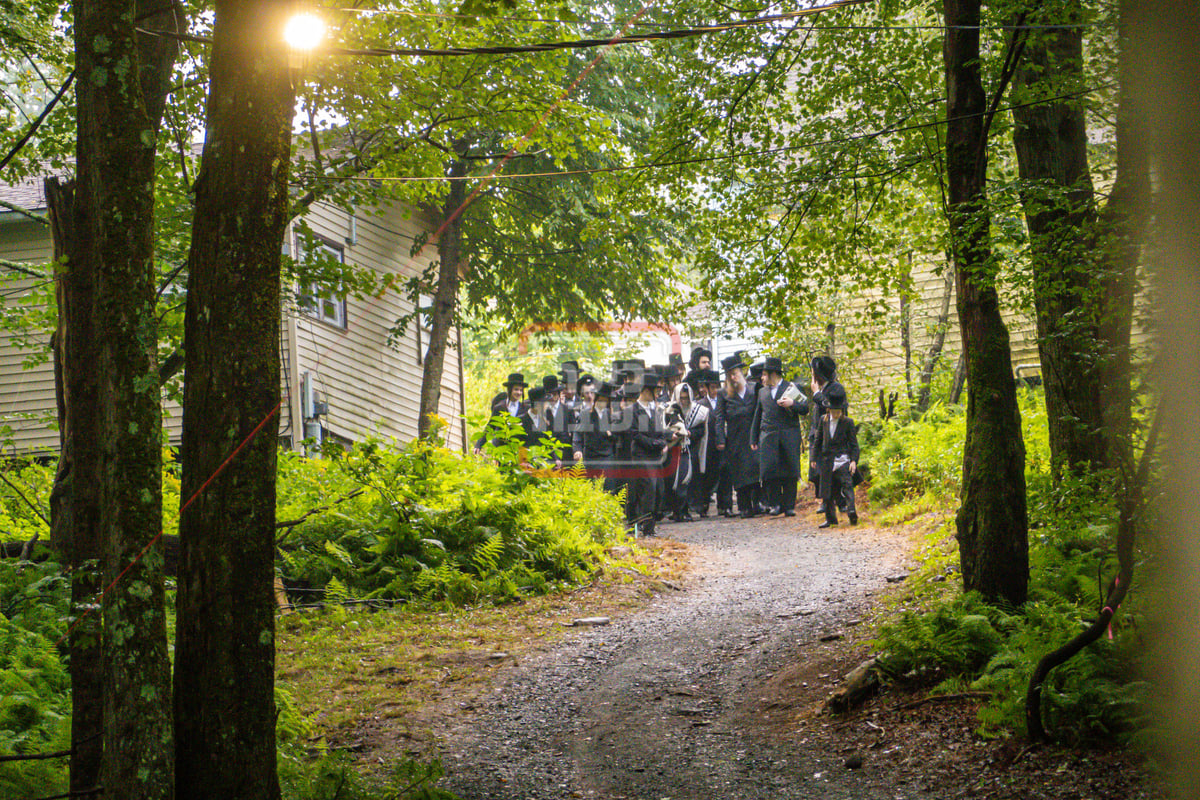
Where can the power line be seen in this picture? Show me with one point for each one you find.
(372, 12)
(709, 159)
(577, 44)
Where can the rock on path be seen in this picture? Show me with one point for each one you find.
(655, 705)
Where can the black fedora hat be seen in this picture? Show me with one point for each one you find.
(649, 381)
(710, 376)
(550, 384)
(835, 396)
(732, 362)
(773, 364)
(537, 393)
(824, 368)
(515, 379)
(606, 390)
(756, 370)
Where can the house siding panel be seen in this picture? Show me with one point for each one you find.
(357, 397)
(356, 371)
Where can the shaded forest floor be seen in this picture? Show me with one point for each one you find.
(710, 682)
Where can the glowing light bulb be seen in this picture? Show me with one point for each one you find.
(304, 31)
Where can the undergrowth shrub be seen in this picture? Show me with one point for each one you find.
(957, 642)
(434, 527)
(35, 699)
(26, 488)
(910, 459)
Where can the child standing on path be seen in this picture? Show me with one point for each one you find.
(838, 457)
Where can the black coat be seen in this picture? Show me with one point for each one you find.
(712, 458)
(499, 406)
(593, 437)
(562, 428)
(777, 431)
(844, 442)
(533, 435)
(647, 437)
(734, 418)
(620, 422)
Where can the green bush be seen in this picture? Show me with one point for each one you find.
(35, 699)
(959, 642)
(432, 526)
(924, 457)
(27, 484)
(963, 643)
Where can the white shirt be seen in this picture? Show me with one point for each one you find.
(832, 426)
(514, 406)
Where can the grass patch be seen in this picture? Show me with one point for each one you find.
(386, 683)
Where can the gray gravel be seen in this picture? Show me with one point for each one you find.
(655, 704)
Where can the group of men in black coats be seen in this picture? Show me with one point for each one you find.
(671, 435)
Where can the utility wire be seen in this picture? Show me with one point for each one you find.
(578, 44)
(372, 12)
(709, 159)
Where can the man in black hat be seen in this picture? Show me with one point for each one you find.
(593, 437)
(649, 444)
(838, 456)
(708, 468)
(824, 373)
(701, 359)
(775, 433)
(719, 478)
(511, 403)
(560, 418)
(534, 420)
(735, 415)
(620, 422)
(756, 371)
(570, 375)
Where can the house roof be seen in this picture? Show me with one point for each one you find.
(28, 194)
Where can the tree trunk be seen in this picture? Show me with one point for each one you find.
(934, 354)
(225, 640)
(1050, 139)
(445, 302)
(992, 522)
(75, 498)
(115, 191)
(1120, 232)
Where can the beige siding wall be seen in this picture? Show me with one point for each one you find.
(27, 402)
(879, 364)
(371, 387)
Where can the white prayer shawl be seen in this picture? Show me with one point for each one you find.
(697, 414)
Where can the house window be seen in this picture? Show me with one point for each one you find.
(321, 300)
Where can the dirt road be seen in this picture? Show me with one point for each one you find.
(675, 701)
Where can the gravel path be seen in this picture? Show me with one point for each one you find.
(665, 703)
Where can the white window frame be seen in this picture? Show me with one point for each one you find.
(322, 302)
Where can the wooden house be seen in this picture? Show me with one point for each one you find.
(341, 377)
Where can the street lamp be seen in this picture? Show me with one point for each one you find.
(304, 31)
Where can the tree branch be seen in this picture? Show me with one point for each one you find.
(39, 218)
(37, 123)
(28, 502)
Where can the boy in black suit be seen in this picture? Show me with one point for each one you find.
(838, 456)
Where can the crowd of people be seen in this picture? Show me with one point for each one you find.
(674, 436)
